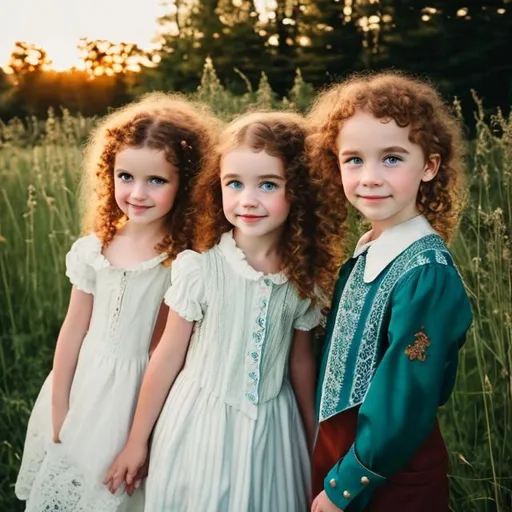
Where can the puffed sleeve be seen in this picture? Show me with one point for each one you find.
(186, 294)
(309, 316)
(430, 314)
(79, 260)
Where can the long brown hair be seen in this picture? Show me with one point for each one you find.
(169, 123)
(282, 135)
(410, 102)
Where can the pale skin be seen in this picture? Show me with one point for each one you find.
(69, 342)
(74, 329)
(142, 177)
(254, 184)
(163, 368)
(323, 504)
(381, 169)
(76, 324)
(260, 243)
(381, 172)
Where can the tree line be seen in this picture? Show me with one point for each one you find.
(461, 45)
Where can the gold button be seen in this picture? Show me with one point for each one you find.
(332, 482)
(347, 495)
(365, 480)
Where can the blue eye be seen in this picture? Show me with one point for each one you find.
(392, 160)
(268, 186)
(235, 185)
(354, 160)
(124, 176)
(155, 180)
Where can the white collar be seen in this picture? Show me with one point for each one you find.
(237, 259)
(390, 244)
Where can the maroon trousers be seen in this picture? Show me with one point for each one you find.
(421, 486)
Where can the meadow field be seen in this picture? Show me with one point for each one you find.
(40, 165)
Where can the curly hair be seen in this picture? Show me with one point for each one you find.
(282, 135)
(184, 131)
(410, 102)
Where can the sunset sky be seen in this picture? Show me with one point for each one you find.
(58, 25)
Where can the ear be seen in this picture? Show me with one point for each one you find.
(431, 167)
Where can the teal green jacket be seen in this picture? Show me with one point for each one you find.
(399, 317)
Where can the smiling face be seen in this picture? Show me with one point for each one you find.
(254, 191)
(381, 169)
(145, 184)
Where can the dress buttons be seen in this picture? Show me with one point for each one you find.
(332, 482)
(365, 480)
(347, 495)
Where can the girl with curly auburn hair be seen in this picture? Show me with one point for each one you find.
(242, 379)
(310, 248)
(141, 162)
(400, 312)
(178, 128)
(409, 103)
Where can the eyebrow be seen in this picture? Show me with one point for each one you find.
(395, 149)
(119, 170)
(262, 177)
(390, 149)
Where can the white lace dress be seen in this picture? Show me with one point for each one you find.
(230, 437)
(67, 477)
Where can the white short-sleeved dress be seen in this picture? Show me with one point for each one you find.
(230, 436)
(68, 477)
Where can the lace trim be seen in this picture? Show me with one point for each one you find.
(254, 352)
(338, 372)
(237, 259)
(349, 312)
(98, 261)
(60, 486)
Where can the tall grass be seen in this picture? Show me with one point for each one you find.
(478, 419)
(40, 165)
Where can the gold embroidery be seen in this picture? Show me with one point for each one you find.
(418, 349)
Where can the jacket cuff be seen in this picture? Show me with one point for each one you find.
(350, 479)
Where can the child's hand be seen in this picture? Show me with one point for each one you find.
(323, 504)
(126, 467)
(142, 473)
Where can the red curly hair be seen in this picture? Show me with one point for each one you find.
(282, 135)
(412, 103)
(169, 123)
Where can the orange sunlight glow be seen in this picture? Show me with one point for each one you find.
(58, 25)
(63, 58)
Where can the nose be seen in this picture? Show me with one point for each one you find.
(248, 198)
(138, 191)
(371, 175)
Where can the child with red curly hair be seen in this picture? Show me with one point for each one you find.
(400, 312)
(140, 164)
(235, 431)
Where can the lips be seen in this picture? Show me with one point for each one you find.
(139, 207)
(251, 218)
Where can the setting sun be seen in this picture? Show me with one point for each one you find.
(58, 25)
(64, 57)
